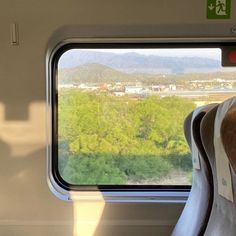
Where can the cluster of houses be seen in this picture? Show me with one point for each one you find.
(212, 84)
(121, 89)
(192, 89)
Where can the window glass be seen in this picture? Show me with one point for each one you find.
(120, 112)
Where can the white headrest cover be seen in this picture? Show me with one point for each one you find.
(223, 172)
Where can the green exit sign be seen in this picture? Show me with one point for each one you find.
(218, 9)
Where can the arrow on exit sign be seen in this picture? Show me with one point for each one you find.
(211, 7)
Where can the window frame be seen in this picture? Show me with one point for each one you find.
(54, 175)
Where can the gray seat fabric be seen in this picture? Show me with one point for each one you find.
(222, 220)
(194, 218)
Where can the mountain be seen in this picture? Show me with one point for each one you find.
(92, 73)
(97, 73)
(137, 63)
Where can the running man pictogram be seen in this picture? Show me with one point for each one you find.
(220, 7)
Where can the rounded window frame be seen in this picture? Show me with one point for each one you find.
(66, 190)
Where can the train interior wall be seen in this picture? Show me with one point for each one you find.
(27, 205)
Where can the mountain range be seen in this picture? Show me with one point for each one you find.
(138, 63)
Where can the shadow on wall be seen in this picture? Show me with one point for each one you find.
(27, 205)
(17, 98)
(29, 208)
(22, 73)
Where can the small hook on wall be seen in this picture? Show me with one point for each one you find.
(14, 34)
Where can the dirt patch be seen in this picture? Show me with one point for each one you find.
(176, 177)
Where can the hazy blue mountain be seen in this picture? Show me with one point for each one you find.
(137, 63)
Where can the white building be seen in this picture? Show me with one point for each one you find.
(172, 87)
(119, 94)
(133, 89)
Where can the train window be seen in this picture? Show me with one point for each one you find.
(118, 111)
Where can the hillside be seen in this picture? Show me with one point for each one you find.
(97, 73)
(92, 73)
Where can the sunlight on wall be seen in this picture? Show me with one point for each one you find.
(87, 216)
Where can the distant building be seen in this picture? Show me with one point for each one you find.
(133, 89)
(65, 86)
(156, 88)
(119, 94)
(172, 87)
(159, 88)
(91, 87)
(104, 87)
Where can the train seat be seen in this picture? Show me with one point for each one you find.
(218, 132)
(194, 218)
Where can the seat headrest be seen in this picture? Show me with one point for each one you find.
(197, 121)
(228, 135)
(192, 132)
(224, 157)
